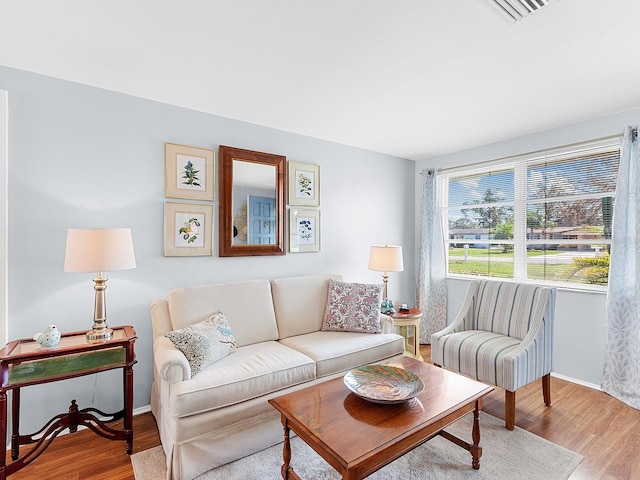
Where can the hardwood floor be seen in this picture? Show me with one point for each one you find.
(601, 428)
(86, 456)
(587, 421)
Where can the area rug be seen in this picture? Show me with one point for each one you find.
(515, 455)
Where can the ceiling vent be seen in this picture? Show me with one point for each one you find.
(515, 10)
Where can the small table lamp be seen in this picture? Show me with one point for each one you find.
(99, 250)
(386, 258)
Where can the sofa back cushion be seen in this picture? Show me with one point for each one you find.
(247, 306)
(300, 302)
(507, 308)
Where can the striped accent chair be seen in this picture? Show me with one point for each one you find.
(503, 336)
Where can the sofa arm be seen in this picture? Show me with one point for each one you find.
(160, 318)
(386, 322)
(170, 363)
(459, 323)
(463, 321)
(465, 318)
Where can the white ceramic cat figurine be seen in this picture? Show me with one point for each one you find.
(48, 338)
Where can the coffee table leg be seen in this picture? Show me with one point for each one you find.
(286, 470)
(476, 449)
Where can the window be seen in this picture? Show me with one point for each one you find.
(543, 217)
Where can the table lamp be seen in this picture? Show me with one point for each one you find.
(386, 258)
(99, 250)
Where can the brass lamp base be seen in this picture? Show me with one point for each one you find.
(98, 335)
(100, 331)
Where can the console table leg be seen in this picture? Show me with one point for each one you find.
(476, 449)
(3, 434)
(15, 424)
(128, 408)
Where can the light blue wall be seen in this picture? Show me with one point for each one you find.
(84, 157)
(580, 316)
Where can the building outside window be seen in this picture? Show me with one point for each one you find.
(543, 217)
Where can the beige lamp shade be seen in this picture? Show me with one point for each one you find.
(386, 258)
(99, 250)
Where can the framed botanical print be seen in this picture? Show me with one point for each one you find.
(304, 230)
(188, 229)
(304, 184)
(188, 172)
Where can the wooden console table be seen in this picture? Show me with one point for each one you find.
(25, 362)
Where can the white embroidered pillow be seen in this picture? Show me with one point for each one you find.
(205, 342)
(353, 307)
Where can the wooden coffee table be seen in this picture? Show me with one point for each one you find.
(358, 437)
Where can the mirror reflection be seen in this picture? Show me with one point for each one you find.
(253, 203)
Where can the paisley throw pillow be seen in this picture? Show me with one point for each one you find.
(205, 342)
(353, 307)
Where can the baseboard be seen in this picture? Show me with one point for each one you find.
(576, 380)
(141, 410)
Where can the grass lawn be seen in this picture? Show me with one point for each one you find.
(504, 268)
(494, 252)
(535, 271)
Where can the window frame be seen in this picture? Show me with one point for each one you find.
(519, 165)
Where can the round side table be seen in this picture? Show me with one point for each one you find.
(409, 325)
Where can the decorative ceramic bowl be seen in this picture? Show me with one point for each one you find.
(383, 383)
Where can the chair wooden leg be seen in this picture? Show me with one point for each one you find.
(510, 409)
(546, 389)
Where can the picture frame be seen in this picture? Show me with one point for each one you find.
(304, 230)
(188, 229)
(189, 172)
(304, 184)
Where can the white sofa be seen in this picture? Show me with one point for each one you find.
(221, 414)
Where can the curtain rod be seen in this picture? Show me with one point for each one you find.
(596, 142)
(543, 151)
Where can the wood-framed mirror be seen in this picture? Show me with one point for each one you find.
(251, 216)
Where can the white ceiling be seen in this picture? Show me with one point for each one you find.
(411, 78)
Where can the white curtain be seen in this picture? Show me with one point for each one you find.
(621, 377)
(432, 282)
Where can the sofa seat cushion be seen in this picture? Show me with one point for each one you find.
(475, 353)
(252, 371)
(335, 352)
